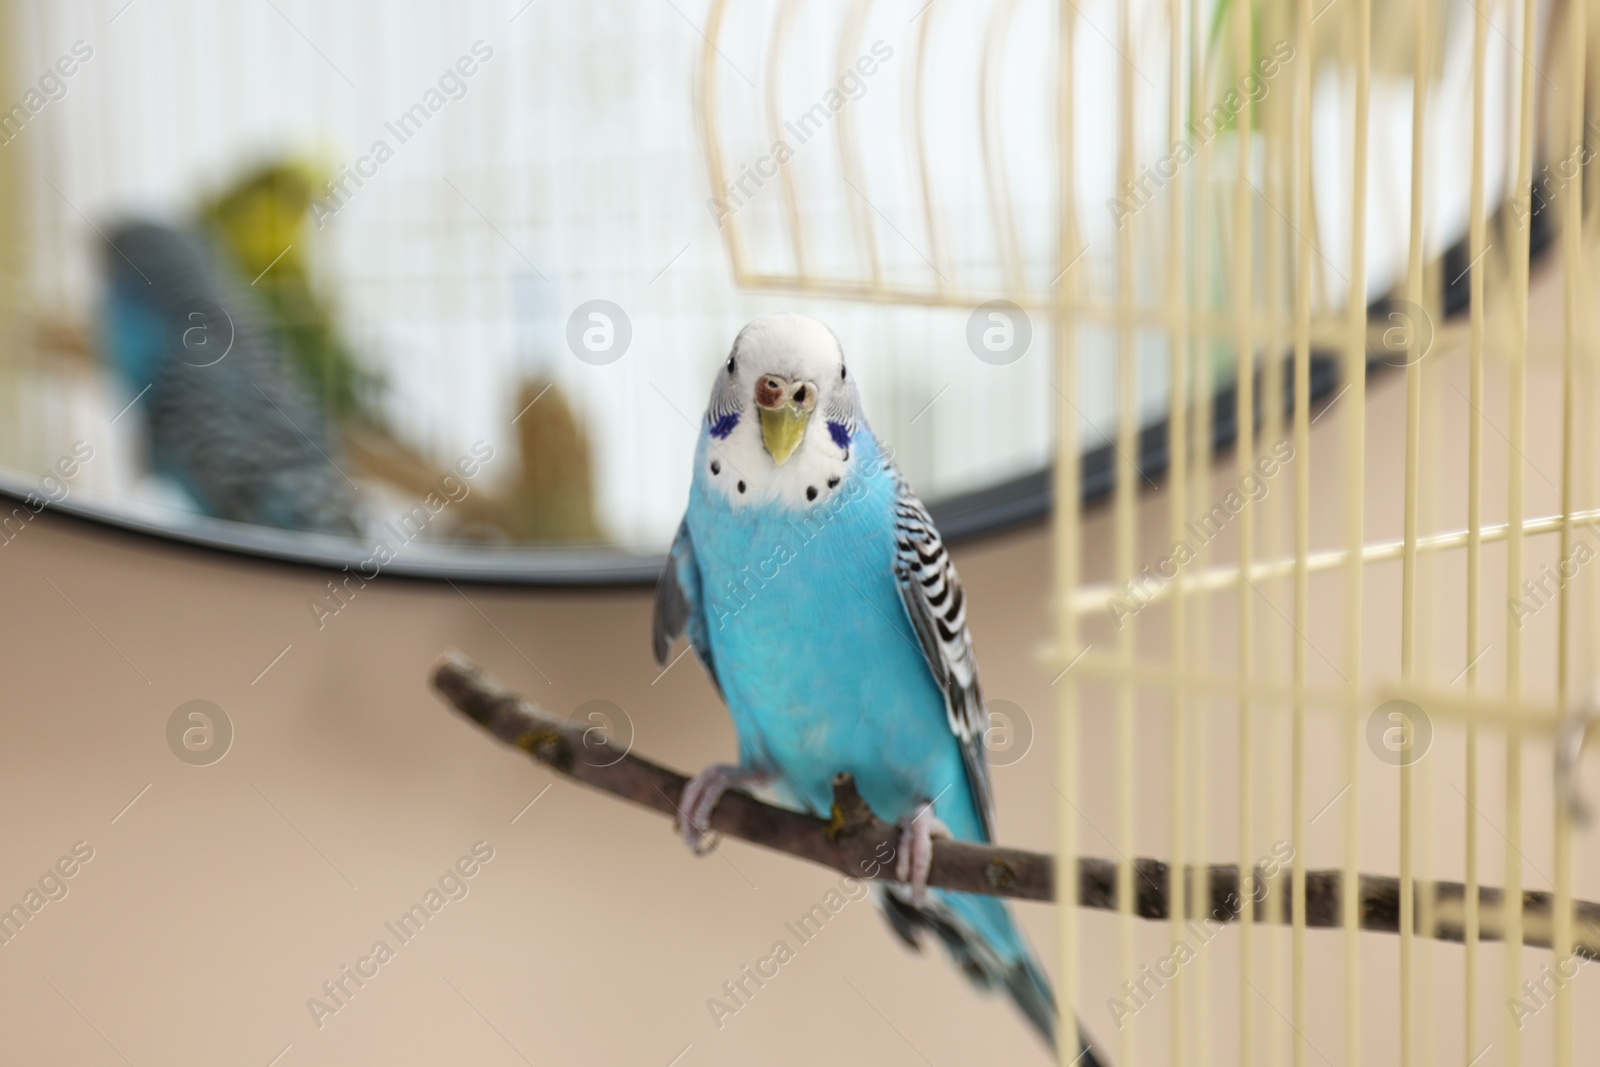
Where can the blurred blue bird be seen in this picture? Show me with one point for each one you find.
(228, 420)
(816, 591)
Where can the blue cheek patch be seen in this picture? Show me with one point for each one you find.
(840, 435)
(724, 426)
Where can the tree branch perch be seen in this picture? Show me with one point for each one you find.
(854, 841)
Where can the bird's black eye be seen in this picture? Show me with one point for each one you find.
(841, 372)
(730, 364)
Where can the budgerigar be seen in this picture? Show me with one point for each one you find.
(262, 221)
(228, 419)
(816, 591)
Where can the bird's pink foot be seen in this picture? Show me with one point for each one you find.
(916, 850)
(700, 797)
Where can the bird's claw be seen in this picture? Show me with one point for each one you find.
(701, 795)
(915, 855)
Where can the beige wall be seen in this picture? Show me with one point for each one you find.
(205, 919)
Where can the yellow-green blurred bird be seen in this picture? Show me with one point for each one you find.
(262, 222)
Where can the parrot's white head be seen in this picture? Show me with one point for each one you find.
(784, 413)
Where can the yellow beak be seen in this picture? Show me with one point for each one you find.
(782, 430)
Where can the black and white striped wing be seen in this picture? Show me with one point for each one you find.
(937, 607)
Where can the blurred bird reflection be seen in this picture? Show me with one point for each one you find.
(257, 411)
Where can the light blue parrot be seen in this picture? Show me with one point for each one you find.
(815, 590)
(228, 419)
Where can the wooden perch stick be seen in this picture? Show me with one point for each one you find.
(855, 841)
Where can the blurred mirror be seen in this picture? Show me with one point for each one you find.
(444, 285)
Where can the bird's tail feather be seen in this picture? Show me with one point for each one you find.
(991, 958)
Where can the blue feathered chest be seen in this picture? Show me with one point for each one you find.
(816, 657)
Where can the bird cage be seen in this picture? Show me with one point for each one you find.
(1306, 287)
